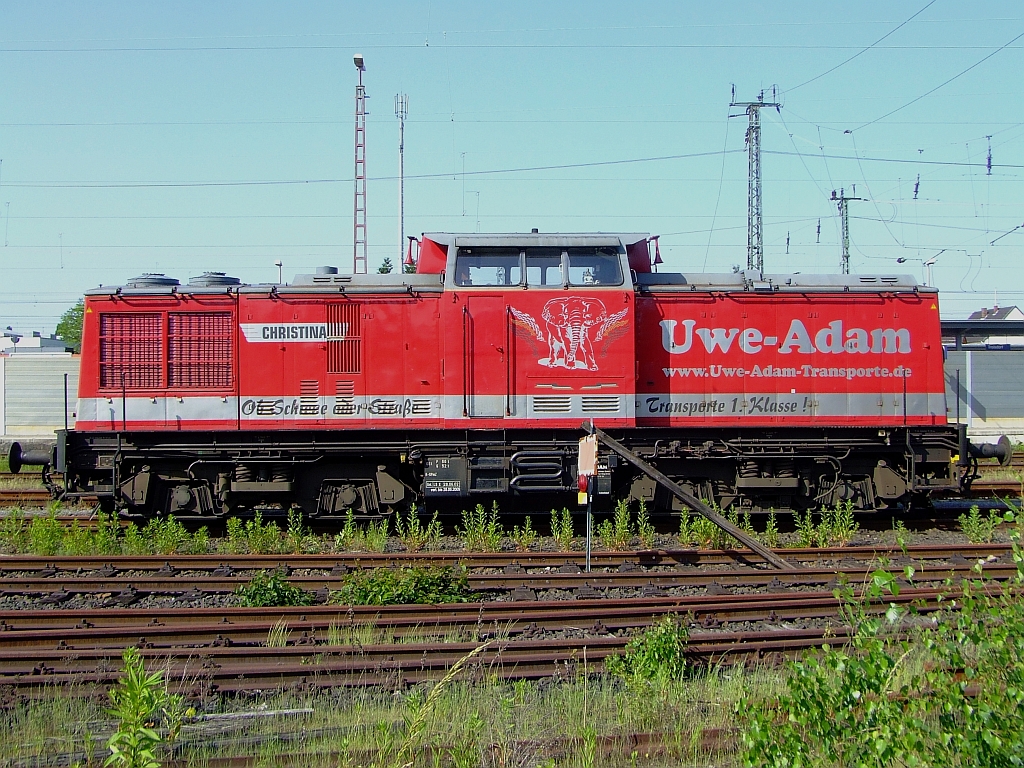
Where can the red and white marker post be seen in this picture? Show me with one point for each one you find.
(586, 472)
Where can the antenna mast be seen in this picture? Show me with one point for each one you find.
(842, 202)
(359, 206)
(755, 231)
(401, 112)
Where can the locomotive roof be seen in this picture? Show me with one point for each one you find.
(537, 239)
(329, 280)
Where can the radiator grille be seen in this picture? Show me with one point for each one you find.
(131, 350)
(552, 404)
(343, 338)
(199, 350)
(601, 403)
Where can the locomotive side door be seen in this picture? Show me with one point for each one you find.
(485, 372)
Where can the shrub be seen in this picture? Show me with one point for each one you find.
(959, 703)
(658, 653)
(481, 530)
(562, 529)
(270, 590)
(403, 586)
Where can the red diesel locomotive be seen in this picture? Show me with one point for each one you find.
(472, 377)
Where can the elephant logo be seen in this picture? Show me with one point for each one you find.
(571, 326)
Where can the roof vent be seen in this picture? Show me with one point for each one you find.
(327, 270)
(213, 279)
(152, 280)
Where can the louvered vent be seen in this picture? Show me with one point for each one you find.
(343, 338)
(309, 398)
(199, 350)
(552, 404)
(131, 350)
(601, 403)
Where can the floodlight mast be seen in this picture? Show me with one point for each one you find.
(401, 112)
(359, 203)
(843, 203)
(755, 232)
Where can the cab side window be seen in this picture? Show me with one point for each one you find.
(594, 268)
(543, 270)
(488, 270)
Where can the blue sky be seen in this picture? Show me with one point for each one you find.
(186, 137)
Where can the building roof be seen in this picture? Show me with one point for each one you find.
(997, 313)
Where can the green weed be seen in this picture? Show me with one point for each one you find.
(277, 636)
(658, 653)
(404, 586)
(644, 526)
(978, 529)
(348, 534)
(562, 528)
(622, 526)
(299, 538)
(605, 533)
(771, 531)
(806, 530)
(900, 534)
(524, 537)
(45, 535)
(262, 538)
(481, 530)
(837, 527)
(271, 589)
(686, 528)
(137, 700)
(414, 535)
(235, 543)
(14, 532)
(375, 536)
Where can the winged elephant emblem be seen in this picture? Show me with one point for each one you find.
(571, 326)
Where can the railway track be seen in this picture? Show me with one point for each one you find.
(127, 590)
(737, 610)
(76, 565)
(226, 650)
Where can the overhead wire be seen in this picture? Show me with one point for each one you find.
(718, 198)
(863, 50)
(941, 85)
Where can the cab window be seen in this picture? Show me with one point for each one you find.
(594, 268)
(492, 269)
(544, 267)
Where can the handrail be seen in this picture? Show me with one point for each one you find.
(465, 361)
(509, 371)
